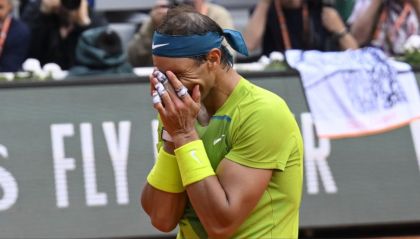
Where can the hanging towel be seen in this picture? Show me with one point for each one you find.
(356, 92)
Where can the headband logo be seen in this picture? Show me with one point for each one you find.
(158, 45)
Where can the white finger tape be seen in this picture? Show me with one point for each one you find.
(156, 98)
(182, 91)
(160, 77)
(160, 89)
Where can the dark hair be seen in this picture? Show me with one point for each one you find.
(184, 20)
(71, 4)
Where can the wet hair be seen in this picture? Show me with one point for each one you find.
(184, 20)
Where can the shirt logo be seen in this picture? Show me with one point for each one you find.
(216, 141)
(158, 45)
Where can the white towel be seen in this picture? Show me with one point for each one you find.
(356, 92)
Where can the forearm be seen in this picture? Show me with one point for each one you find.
(163, 197)
(165, 209)
(362, 27)
(207, 195)
(254, 30)
(215, 207)
(348, 42)
(221, 202)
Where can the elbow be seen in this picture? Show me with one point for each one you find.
(221, 228)
(220, 232)
(162, 221)
(163, 224)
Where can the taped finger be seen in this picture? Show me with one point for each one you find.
(156, 98)
(160, 89)
(160, 77)
(182, 91)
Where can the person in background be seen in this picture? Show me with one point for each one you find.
(234, 172)
(140, 47)
(22, 4)
(56, 26)
(345, 8)
(217, 13)
(14, 39)
(385, 24)
(98, 52)
(305, 24)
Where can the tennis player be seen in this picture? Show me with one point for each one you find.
(230, 153)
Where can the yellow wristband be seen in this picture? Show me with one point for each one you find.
(165, 174)
(194, 165)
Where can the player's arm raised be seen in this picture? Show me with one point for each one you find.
(163, 197)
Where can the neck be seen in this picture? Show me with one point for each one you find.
(224, 86)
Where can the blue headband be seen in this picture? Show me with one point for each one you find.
(195, 45)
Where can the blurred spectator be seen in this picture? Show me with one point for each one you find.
(345, 8)
(217, 13)
(385, 24)
(99, 51)
(91, 3)
(56, 27)
(22, 5)
(140, 47)
(14, 39)
(310, 24)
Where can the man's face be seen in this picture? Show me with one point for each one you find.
(187, 70)
(5, 9)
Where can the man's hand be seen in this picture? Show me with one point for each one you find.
(332, 21)
(178, 112)
(50, 6)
